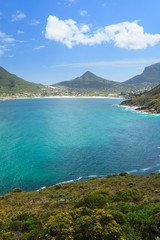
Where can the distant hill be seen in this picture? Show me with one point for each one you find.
(149, 102)
(90, 81)
(11, 84)
(148, 79)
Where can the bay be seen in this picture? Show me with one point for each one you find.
(48, 141)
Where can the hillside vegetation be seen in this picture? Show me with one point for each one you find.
(149, 102)
(11, 84)
(116, 207)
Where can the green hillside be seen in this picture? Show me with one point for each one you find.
(11, 84)
(149, 102)
(90, 81)
(148, 79)
(117, 207)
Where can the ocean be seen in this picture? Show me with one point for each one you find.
(50, 141)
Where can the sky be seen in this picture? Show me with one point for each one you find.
(48, 41)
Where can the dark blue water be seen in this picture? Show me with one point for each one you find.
(47, 141)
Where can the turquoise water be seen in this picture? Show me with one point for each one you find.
(47, 141)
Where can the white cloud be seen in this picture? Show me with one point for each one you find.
(20, 32)
(2, 46)
(18, 16)
(127, 35)
(108, 63)
(83, 13)
(1, 52)
(8, 40)
(6, 43)
(34, 22)
(3, 49)
(2, 34)
(39, 47)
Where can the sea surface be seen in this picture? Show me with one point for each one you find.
(49, 141)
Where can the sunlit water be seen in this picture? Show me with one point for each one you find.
(47, 141)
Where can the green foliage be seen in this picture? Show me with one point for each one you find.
(4, 235)
(126, 195)
(95, 199)
(26, 223)
(150, 102)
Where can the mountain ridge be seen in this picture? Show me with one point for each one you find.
(11, 84)
(150, 76)
(148, 79)
(89, 80)
(87, 83)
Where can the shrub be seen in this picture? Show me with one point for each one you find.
(23, 221)
(82, 224)
(95, 199)
(17, 190)
(4, 235)
(123, 174)
(126, 195)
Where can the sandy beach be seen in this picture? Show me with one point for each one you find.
(16, 98)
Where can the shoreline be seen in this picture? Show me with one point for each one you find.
(52, 97)
(136, 108)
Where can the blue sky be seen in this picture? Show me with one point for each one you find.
(47, 41)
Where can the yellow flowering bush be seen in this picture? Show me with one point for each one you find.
(4, 235)
(82, 224)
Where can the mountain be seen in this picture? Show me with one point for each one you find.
(90, 81)
(11, 84)
(150, 102)
(148, 79)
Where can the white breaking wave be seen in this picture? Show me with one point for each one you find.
(41, 188)
(145, 169)
(132, 171)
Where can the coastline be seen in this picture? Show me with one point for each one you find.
(140, 109)
(50, 97)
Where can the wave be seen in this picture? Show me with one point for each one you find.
(145, 169)
(98, 176)
(133, 109)
(41, 188)
(64, 182)
(132, 171)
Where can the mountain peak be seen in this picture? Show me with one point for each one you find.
(153, 67)
(87, 74)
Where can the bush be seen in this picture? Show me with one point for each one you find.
(23, 222)
(4, 235)
(126, 195)
(95, 199)
(17, 190)
(82, 224)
